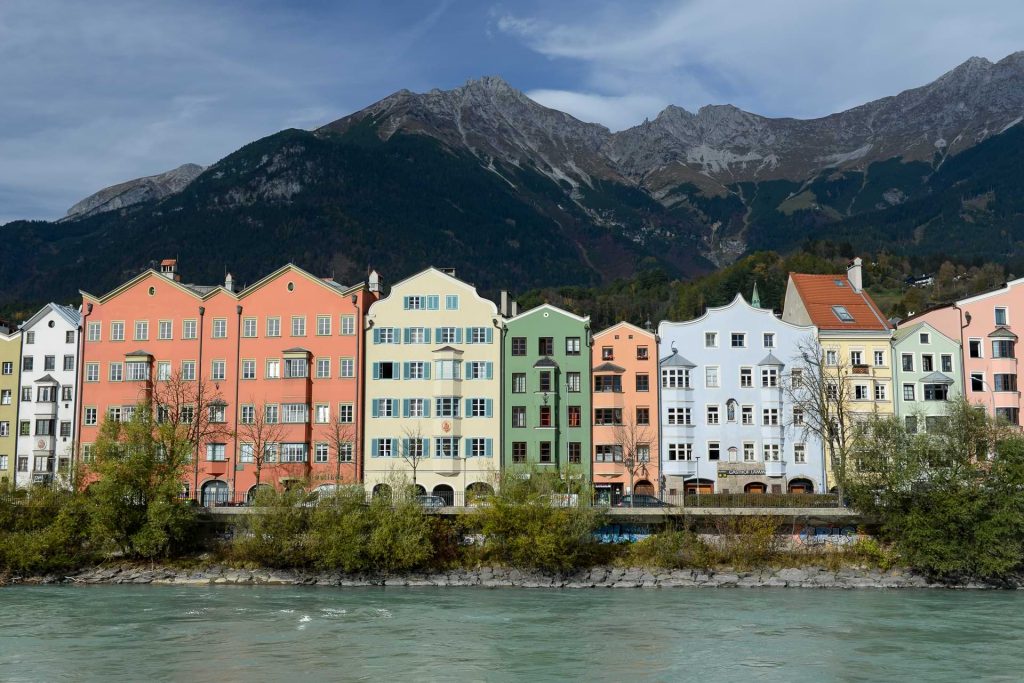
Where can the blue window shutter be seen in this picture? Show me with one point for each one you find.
(376, 335)
(437, 333)
(405, 302)
(489, 370)
(488, 406)
(426, 408)
(373, 447)
(405, 407)
(407, 335)
(426, 335)
(376, 368)
(394, 407)
(396, 335)
(465, 445)
(469, 335)
(405, 447)
(490, 335)
(488, 447)
(374, 410)
(458, 335)
(426, 447)
(396, 369)
(426, 370)
(406, 374)
(432, 302)
(469, 403)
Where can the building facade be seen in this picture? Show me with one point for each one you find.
(433, 389)
(10, 376)
(624, 363)
(273, 368)
(727, 423)
(928, 374)
(548, 411)
(46, 409)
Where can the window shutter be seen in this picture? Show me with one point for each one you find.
(407, 335)
(489, 336)
(405, 302)
(426, 447)
(405, 407)
(394, 407)
(396, 368)
(374, 443)
(426, 408)
(488, 446)
(426, 370)
(395, 335)
(394, 447)
(469, 335)
(406, 372)
(469, 404)
(426, 335)
(374, 412)
(437, 334)
(376, 367)
(405, 447)
(458, 335)
(489, 370)
(466, 447)
(376, 335)
(432, 301)
(488, 406)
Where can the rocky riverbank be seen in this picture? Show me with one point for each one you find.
(487, 577)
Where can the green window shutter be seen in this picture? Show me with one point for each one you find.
(396, 369)
(405, 447)
(469, 335)
(437, 333)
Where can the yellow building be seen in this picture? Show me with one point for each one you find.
(10, 372)
(433, 388)
(854, 335)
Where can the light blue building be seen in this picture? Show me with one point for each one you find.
(727, 426)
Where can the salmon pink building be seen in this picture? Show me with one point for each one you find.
(624, 361)
(275, 367)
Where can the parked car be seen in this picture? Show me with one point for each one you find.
(640, 500)
(431, 502)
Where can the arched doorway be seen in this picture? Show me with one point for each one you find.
(214, 493)
(643, 488)
(250, 495)
(419, 490)
(382, 491)
(478, 492)
(755, 487)
(702, 486)
(445, 493)
(801, 486)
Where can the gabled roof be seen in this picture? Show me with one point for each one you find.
(609, 367)
(821, 293)
(553, 309)
(545, 362)
(770, 359)
(906, 331)
(47, 379)
(675, 360)
(1002, 333)
(937, 378)
(70, 315)
(448, 349)
(631, 326)
(140, 352)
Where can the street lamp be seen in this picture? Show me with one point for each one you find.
(696, 473)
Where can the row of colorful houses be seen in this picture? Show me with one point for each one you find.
(313, 381)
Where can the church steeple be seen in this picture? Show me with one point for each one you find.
(755, 298)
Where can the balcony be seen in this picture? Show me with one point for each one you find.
(861, 369)
(682, 468)
(775, 468)
(44, 409)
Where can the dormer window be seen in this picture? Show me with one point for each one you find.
(842, 314)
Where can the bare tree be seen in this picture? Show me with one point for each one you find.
(260, 432)
(412, 449)
(819, 388)
(632, 438)
(192, 414)
(341, 436)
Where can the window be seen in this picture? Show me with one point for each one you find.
(248, 415)
(447, 369)
(518, 451)
(936, 392)
(30, 337)
(608, 416)
(947, 362)
(546, 346)
(738, 340)
(69, 363)
(1011, 415)
(294, 413)
(608, 383)
(346, 451)
(1000, 315)
(92, 372)
(769, 377)
(572, 382)
(271, 413)
(49, 362)
(479, 407)
(679, 416)
(270, 452)
(137, 371)
(273, 327)
(879, 358)
(770, 417)
(843, 314)
(348, 367)
(927, 362)
(1004, 382)
(771, 452)
(446, 406)
(320, 452)
(294, 452)
(478, 369)
(296, 367)
(575, 452)
(46, 394)
(249, 369)
(643, 381)
(607, 353)
(323, 368)
(216, 452)
(218, 370)
(7, 368)
(188, 329)
(860, 392)
(246, 453)
(712, 415)
(575, 415)
(880, 392)
(453, 335)
(856, 358)
(5, 397)
(298, 326)
(217, 413)
(799, 453)
(711, 377)
(346, 413)
(322, 413)
(141, 330)
(675, 378)
(642, 353)
(219, 330)
(323, 325)
(518, 382)
(93, 332)
(25, 427)
(66, 393)
(977, 381)
(544, 417)
(115, 372)
(908, 392)
(608, 453)
(273, 368)
(746, 377)
(518, 346)
(643, 416)
(451, 302)
(446, 447)
(748, 451)
(187, 414)
(545, 451)
(714, 450)
(1002, 348)
(518, 416)
(89, 417)
(747, 415)
(798, 417)
(974, 348)
(26, 393)
(116, 331)
(348, 325)
(249, 327)
(544, 380)
(907, 359)
(572, 346)
(680, 451)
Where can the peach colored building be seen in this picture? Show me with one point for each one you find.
(286, 348)
(985, 325)
(625, 390)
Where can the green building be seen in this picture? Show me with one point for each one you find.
(929, 374)
(547, 399)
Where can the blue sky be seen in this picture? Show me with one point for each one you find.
(93, 93)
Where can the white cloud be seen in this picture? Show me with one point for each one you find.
(616, 112)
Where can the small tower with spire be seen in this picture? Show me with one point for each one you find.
(755, 298)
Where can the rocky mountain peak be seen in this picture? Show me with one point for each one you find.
(135, 191)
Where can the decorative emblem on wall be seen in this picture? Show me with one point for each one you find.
(446, 426)
(41, 443)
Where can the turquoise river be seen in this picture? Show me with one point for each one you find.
(252, 633)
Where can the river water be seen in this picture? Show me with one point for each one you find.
(270, 633)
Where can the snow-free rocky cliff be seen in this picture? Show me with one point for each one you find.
(135, 192)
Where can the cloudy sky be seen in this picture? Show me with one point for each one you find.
(93, 93)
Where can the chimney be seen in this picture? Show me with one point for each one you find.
(854, 275)
(448, 271)
(503, 309)
(374, 282)
(229, 283)
(515, 309)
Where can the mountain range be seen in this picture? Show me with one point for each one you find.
(518, 195)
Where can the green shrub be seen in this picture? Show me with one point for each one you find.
(274, 533)
(748, 541)
(672, 550)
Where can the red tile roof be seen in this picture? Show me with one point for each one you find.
(820, 293)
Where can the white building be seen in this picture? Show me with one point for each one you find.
(727, 426)
(46, 408)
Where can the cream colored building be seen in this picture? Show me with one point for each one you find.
(10, 374)
(433, 388)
